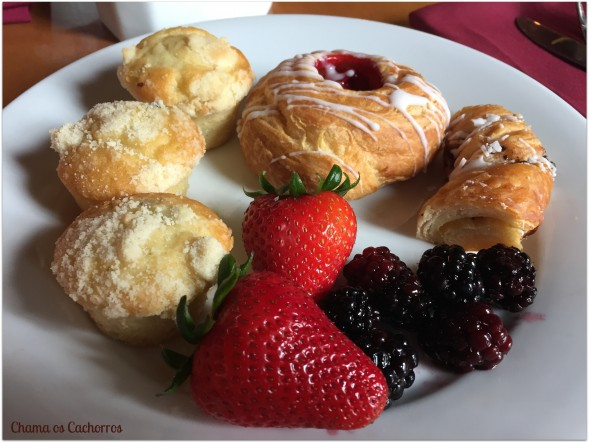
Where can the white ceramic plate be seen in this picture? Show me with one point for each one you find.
(64, 379)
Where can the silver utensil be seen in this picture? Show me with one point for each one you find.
(562, 46)
(582, 19)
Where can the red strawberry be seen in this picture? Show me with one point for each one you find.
(274, 359)
(305, 237)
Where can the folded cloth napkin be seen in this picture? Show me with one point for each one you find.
(490, 28)
(16, 12)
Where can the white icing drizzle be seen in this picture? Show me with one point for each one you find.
(462, 138)
(307, 84)
(541, 161)
(485, 158)
(491, 148)
(402, 100)
(464, 165)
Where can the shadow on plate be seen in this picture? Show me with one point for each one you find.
(44, 185)
(37, 295)
(227, 160)
(395, 207)
(103, 87)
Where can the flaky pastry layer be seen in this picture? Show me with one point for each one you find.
(499, 186)
(296, 120)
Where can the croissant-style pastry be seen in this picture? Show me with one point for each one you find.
(380, 121)
(499, 185)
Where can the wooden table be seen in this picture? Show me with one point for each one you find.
(60, 33)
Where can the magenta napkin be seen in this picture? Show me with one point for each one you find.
(16, 12)
(490, 28)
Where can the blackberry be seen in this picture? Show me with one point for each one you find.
(509, 277)
(395, 357)
(464, 337)
(394, 290)
(349, 308)
(404, 304)
(449, 274)
(374, 268)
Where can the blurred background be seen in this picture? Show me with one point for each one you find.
(51, 35)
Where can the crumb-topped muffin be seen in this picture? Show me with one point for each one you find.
(128, 262)
(189, 67)
(127, 147)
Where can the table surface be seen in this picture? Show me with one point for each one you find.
(61, 33)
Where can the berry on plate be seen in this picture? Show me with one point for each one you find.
(465, 336)
(306, 237)
(450, 275)
(509, 277)
(350, 310)
(394, 290)
(269, 357)
(394, 356)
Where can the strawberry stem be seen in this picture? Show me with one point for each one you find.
(295, 187)
(228, 275)
(182, 372)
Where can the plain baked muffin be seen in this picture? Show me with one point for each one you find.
(127, 147)
(189, 67)
(128, 262)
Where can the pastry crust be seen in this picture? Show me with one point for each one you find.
(128, 262)
(499, 186)
(127, 147)
(188, 67)
(296, 120)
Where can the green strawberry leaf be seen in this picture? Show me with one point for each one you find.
(295, 187)
(185, 323)
(266, 185)
(332, 180)
(226, 268)
(174, 359)
(228, 275)
(182, 374)
(346, 186)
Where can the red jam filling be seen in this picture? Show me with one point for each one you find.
(352, 72)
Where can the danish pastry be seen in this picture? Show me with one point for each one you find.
(376, 119)
(188, 67)
(128, 262)
(499, 186)
(127, 147)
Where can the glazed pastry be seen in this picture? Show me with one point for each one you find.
(128, 262)
(499, 186)
(376, 119)
(127, 147)
(188, 67)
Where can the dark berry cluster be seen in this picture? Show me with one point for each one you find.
(447, 304)
(464, 332)
(450, 274)
(375, 269)
(395, 357)
(394, 290)
(363, 310)
(465, 337)
(509, 277)
(351, 311)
